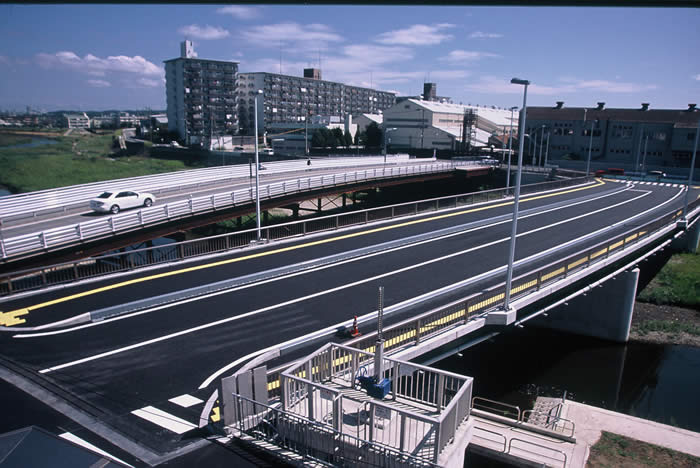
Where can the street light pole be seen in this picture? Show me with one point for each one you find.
(257, 170)
(590, 146)
(510, 145)
(514, 228)
(539, 158)
(306, 134)
(690, 176)
(644, 158)
(386, 130)
(546, 153)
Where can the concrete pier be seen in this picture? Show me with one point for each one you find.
(603, 312)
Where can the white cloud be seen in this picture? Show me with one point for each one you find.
(240, 12)
(697, 77)
(99, 83)
(498, 85)
(92, 64)
(483, 35)
(4, 59)
(457, 56)
(418, 34)
(271, 35)
(203, 32)
(149, 83)
(96, 73)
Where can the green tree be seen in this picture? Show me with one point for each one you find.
(318, 139)
(348, 139)
(373, 135)
(359, 138)
(338, 137)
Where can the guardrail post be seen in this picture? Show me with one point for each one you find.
(539, 280)
(336, 222)
(42, 238)
(167, 211)
(140, 218)
(466, 311)
(189, 202)
(366, 217)
(402, 432)
(181, 251)
(75, 271)
(392, 212)
(2, 248)
(111, 224)
(233, 197)
(418, 322)
(43, 277)
(80, 231)
(213, 202)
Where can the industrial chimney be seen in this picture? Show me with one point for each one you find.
(601, 105)
(645, 106)
(560, 104)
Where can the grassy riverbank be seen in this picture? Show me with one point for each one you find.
(74, 159)
(668, 309)
(616, 451)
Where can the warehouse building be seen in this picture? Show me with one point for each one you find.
(636, 139)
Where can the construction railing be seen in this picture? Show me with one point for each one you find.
(313, 388)
(317, 441)
(130, 260)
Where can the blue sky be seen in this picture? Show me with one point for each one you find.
(111, 56)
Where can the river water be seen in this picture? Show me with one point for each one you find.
(657, 382)
(31, 144)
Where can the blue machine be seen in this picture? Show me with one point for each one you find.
(374, 389)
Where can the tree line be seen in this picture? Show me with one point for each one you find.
(324, 137)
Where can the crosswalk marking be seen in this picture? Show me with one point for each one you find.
(164, 420)
(78, 441)
(185, 400)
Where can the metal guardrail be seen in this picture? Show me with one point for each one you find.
(67, 272)
(497, 407)
(62, 199)
(413, 330)
(316, 440)
(59, 237)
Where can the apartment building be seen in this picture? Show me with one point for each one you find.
(288, 99)
(77, 120)
(634, 139)
(201, 97)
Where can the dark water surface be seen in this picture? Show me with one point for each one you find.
(657, 382)
(33, 143)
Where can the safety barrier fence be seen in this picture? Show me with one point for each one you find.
(63, 199)
(60, 237)
(126, 261)
(432, 403)
(315, 440)
(412, 331)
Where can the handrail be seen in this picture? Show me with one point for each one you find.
(66, 272)
(502, 413)
(505, 439)
(527, 442)
(551, 421)
(65, 235)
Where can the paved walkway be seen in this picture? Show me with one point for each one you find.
(590, 421)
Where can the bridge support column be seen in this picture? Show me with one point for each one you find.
(689, 241)
(345, 199)
(603, 312)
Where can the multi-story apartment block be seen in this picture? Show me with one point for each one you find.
(201, 97)
(289, 99)
(77, 120)
(633, 139)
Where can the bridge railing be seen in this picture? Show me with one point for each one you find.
(412, 331)
(92, 267)
(106, 226)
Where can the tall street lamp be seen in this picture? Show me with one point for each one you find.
(514, 228)
(539, 158)
(546, 153)
(590, 146)
(690, 176)
(510, 144)
(386, 130)
(257, 169)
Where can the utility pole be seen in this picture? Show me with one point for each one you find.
(422, 128)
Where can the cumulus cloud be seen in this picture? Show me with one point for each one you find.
(272, 35)
(93, 64)
(457, 56)
(240, 12)
(418, 34)
(203, 32)
(499, 85)
(483, 35)
(99, 83)
(697, 77)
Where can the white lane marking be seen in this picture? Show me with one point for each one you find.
(185, 400)
(84, 443)
(290, 275)
(341, 287)
(356, 283)
(458, 284)
(163, 419)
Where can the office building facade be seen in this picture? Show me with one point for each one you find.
(289, 99)
(636, 139)
(201, 97)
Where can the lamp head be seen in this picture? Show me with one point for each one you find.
(519, 81)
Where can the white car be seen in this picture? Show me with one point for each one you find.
(114, 202)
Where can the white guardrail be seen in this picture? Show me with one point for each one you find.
(31, 204)
(136, 219)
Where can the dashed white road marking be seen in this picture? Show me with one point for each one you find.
(185, 400)
(84, 443)
(164, 420)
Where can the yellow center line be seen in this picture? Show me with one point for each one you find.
(288, 249)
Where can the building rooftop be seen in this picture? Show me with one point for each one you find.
(315, 81)
(498, 117)
(623, 114)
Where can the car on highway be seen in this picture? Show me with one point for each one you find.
(114, 202)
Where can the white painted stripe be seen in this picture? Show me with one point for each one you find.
(366, 280)
(163, 419)
(675, 185)
(185, 400)
(84, 443)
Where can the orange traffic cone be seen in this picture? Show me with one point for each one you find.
(355, 331)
